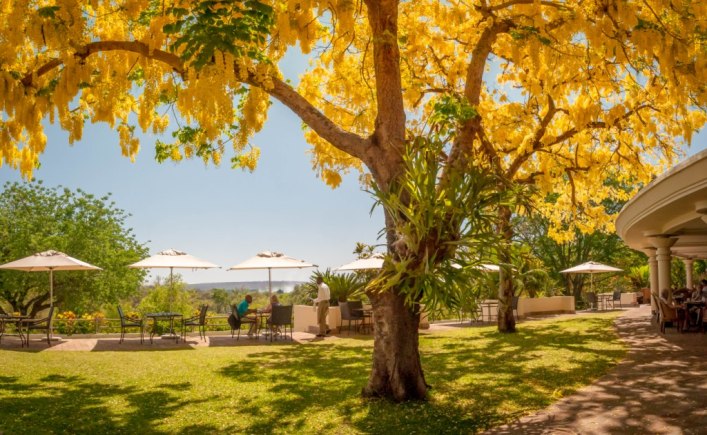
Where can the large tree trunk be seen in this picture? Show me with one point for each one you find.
(397, 372)
(506, 320)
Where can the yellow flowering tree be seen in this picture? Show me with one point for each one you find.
(560, 96)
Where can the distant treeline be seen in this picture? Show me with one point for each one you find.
(285, 286)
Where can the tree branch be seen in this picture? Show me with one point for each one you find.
(537, 138)
(462, 148)
(347, 142)
(102, 46)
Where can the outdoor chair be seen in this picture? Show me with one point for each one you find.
(236, 321)
(356, 309)
(592, 300)
(489, 310)
(198, 321)
(670, 314)
(348, 315)
(44, 324)
(281, 316)
(126, 323)
(616, 298)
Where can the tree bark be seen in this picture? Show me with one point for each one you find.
(506, 320)
(397, 371)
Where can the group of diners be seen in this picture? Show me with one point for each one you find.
(254, 317)
(687, 308)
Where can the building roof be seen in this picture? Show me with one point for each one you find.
(673, 206)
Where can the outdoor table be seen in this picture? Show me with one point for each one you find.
(261, 321)
(17, 320)
(164, 316)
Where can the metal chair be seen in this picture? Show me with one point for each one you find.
(128, 323)
(281, 316)
(198, 321)
(348, 315)
(616, 297)
(236, 321)
(592, 300)
(44, 324)
(356, 309)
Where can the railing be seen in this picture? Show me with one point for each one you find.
(107, 325)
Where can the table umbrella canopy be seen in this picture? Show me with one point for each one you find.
(171, 259)
(48, 261)
(375, 261)
(484, 267)
(271, 260)
(591, 267)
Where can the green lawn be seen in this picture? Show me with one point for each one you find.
(480, 378)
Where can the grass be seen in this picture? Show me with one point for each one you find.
(480, 379)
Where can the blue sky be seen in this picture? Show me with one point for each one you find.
(220, 214)
(217, 213)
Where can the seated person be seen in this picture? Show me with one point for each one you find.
(274, 302)
(243, 311)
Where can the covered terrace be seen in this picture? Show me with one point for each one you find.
(668, 219)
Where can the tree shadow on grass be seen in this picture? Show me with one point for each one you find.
(480, 379)
(72, 404)
(478, 382)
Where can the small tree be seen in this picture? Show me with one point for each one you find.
(34, 218)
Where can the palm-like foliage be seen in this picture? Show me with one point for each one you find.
(443, 218)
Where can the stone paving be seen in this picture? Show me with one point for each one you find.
(111, 342)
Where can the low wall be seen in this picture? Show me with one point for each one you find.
(548, 305)
(306, 319)
(627, 298)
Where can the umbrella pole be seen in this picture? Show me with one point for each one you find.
(269, 283)
(51, 288)
(171, 288)
(51, 304)
(591, 288)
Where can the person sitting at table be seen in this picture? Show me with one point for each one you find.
(243, 310)
(274, 302)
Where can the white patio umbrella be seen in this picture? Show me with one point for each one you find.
(484, 267)
(48, 261)
(271, 260)
(375, 261)
(591, 267)
(172, 259)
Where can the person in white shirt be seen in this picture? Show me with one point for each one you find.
(322, 303)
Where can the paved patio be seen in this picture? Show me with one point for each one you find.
(661, 387)
(111, 342)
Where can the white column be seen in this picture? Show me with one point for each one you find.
(688, 272)
(662, 245)
(653, 276)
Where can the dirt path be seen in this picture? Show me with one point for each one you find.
(661, 387)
